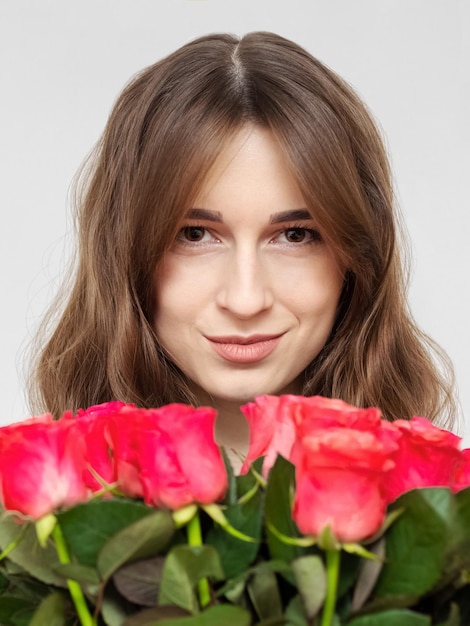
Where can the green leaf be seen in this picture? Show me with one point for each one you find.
(145, 537)
(87, 527)
(8, 606)
(139, 582)
(295, 613)
(155, 616)
(440, 499)
(454, 510)
(31, 591)
(415, 545)
(463, 504)
(246, 482)
(233, 590)
(264, 594)
(15, 611)
(21, 584)
(349, 571)
(28, 554)
(310, 577)
(451, 513)
(278, 510)
(220, 615)
(51, 611)
(4, 583)
(23, 617)
(115, 609)
(393, 617)
(236, 555)
(460, 536)
(234, 587)
(112, 611)
(183, 568)
(80, 573)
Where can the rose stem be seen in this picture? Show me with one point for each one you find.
(194, 534)
(332, 575)
(75, 590)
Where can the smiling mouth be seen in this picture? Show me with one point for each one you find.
(244, 349)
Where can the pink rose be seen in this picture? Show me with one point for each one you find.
(93, 424)
(427, 456)
(45, 418)
(319, 412)
(41, 466)
(341, 455)
(340, 472)
(168, 456)
(461, 478)
(272, 429)
(276, 421)
(106, 409)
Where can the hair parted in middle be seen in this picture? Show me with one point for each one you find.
(164, 134)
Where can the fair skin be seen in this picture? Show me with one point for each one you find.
(247, 295)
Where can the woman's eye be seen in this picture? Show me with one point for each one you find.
(192, 233)
(301, 235)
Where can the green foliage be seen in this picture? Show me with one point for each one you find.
(136, 570)
(28, 554)
(52, 611)
(393, 617)
(145, 537)
(184, 567)
(279, 494)
(310, 577)
(245, 513)
(416, 544)
(225, 615)
(87, 527)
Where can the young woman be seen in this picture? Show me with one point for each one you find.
(238, 237)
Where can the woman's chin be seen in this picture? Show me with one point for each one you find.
(231, 396)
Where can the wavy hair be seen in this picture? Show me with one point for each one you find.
(163, 135)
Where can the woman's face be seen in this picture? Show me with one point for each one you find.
(247, 295)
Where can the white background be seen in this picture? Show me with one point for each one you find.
(63, 62)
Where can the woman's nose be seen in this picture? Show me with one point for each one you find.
(245, 288)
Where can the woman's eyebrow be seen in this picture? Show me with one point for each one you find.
(204, 214)
(274, 218)
(289, 216)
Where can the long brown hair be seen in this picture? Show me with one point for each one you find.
(165, 132)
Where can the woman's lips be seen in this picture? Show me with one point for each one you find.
(244, 349)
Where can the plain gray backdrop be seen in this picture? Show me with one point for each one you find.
(62, 65)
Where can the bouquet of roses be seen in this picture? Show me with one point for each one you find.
(122, 516)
